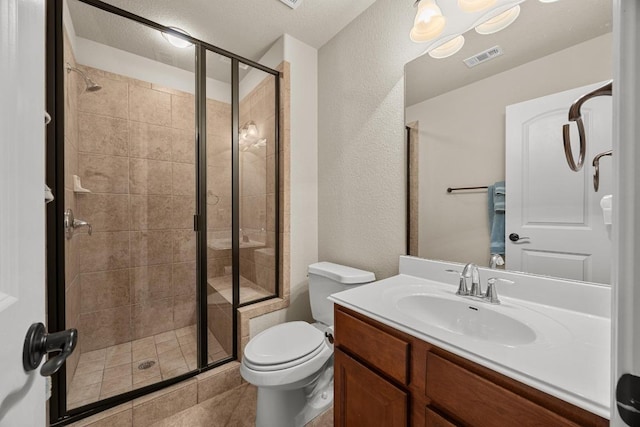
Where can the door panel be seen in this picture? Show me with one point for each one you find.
(22, 211)
(555, 210)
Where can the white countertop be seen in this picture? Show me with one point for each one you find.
(570, 359)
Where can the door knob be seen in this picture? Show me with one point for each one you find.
(515, 237)
(38, 343)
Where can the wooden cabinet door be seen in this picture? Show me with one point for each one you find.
(364, 399)
(432, 419)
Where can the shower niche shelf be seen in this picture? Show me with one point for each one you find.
(77, 185)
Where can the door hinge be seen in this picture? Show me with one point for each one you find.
(196, 223)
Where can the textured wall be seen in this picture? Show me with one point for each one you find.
(361, 147)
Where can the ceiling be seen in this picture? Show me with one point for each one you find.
(245, 27)
(541, 29)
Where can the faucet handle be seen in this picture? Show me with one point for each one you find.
(462, 286)
(492, 291)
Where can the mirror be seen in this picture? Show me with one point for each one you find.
(501, 121)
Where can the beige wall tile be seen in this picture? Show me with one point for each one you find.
(104, 174)
(151, 283)
(111, 100)
(183, 146)
(183, 112)
(103, 135)
(218, 149)
(103, 251)
(149, 106)
(150, 141)
(151, 212)
(184, 179)
(152, 317)
(104, 289)
(184, 208)
(70, 163)
(104, 328)
(184, 245)
(120, 416)
(219, 119)
(72, 259)
(105, 212)
(160, 405)
(149, 176)
(184, 278)
(151, 247)
(218, 381)
(254, 212)
(184, 311)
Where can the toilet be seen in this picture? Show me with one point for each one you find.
(291, 364)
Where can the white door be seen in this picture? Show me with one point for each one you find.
(556, 212)
(22, 208)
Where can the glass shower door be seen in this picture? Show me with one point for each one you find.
(130, 165)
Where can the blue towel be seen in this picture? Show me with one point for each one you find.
(496, 195)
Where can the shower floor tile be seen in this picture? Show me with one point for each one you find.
(121, 368)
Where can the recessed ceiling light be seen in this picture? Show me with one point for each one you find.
(499, 22)
(429, 22)
(447, 49)
(475, 5)
(177, 41)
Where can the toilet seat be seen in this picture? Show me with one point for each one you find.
(283, 346)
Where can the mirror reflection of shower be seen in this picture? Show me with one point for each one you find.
(91, 86)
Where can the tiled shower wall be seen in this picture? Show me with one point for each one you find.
(136, 155)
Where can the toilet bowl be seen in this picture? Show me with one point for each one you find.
(291, 364)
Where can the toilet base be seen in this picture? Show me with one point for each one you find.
(295, 408)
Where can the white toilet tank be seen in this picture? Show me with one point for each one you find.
(326, 278)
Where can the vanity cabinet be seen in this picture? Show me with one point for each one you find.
(384, 377)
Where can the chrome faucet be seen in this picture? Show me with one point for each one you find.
(495, 261)
(470, 271)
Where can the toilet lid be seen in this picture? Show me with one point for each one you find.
(283, 343)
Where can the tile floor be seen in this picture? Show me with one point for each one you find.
(115, 370)
(235, 408)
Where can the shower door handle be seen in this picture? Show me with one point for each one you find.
(38, 343)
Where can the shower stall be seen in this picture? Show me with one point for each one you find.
(164, 161)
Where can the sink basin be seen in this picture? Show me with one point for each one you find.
(463, 316)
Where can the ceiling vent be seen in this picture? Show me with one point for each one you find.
(293, 4)
(484, 56)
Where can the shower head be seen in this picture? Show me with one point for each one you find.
(91, 86)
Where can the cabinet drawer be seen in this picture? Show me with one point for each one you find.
(477, 402)
(382, 350)
(432, 419)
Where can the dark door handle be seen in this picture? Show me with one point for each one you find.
(514, 237)
(38, 343)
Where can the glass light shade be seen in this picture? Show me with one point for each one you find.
(499, 22)
(475, 5)
(177, 41)
(429, 22)
(447, 49)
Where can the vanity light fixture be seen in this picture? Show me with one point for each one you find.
(499, 22)
(429, 22)
(447, 49)
(475, 5)
(177, 41)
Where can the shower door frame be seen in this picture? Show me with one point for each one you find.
(58, 412)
